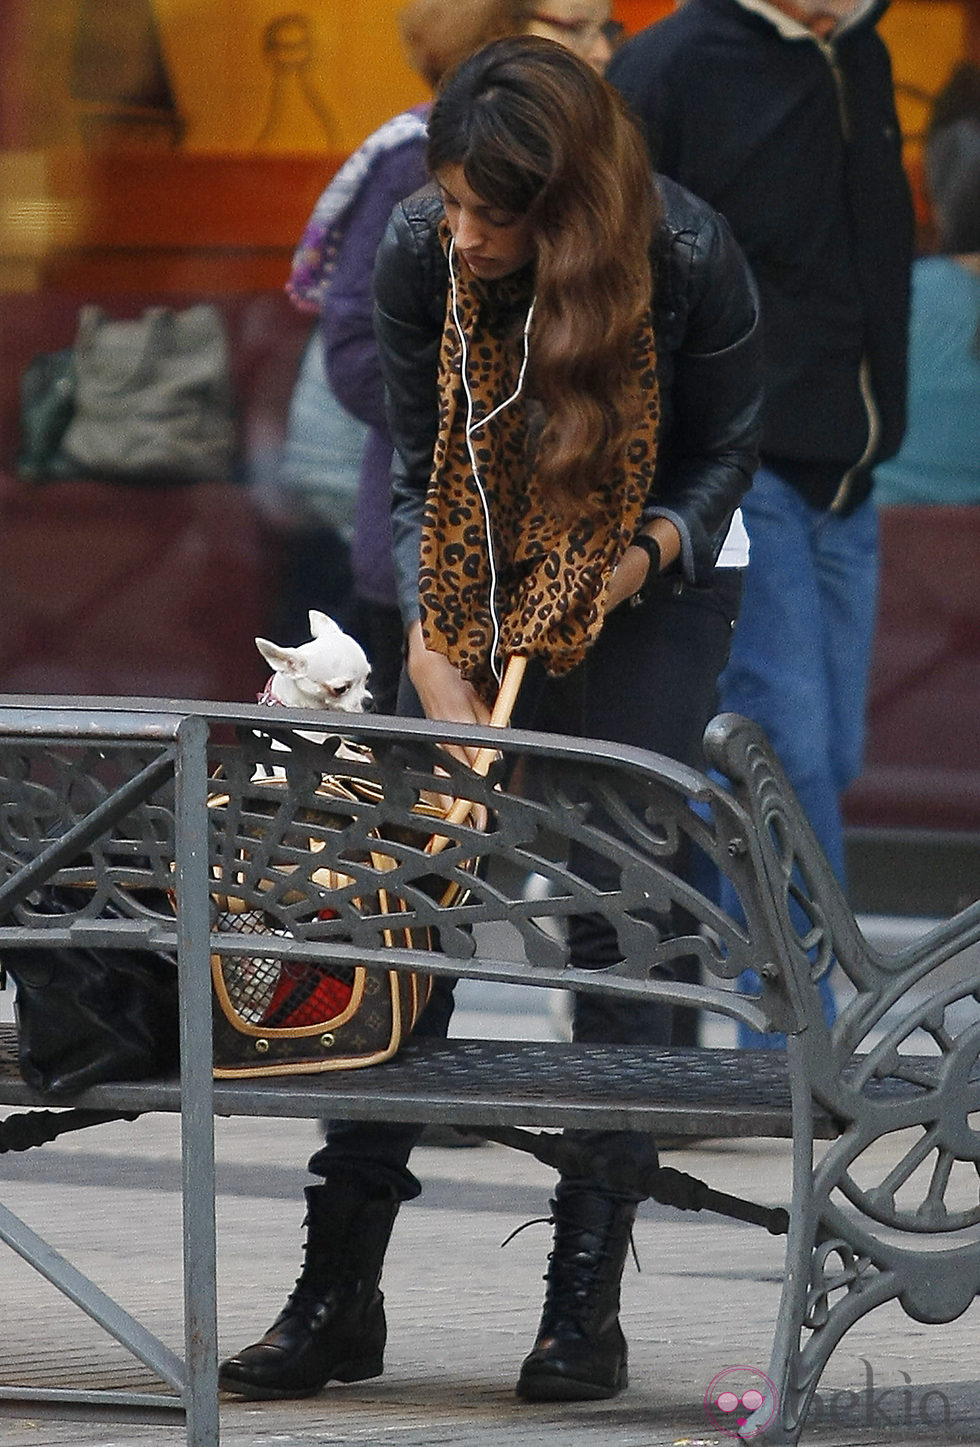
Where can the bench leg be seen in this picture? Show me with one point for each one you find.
(107, 1313)
(843, 1262)
(196, 1087)
(795, 1367)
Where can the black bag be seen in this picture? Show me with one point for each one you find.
(47, 405)
(85, 1016)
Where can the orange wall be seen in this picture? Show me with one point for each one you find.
(232, 91)
(245, 75)
(275, 76)
(252, 133)
(635, 14)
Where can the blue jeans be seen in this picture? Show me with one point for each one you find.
(801, 652)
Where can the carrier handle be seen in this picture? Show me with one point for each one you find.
(500, 717)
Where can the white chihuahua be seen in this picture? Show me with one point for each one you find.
(329, 672)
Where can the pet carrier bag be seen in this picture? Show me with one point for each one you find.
(274, 1015)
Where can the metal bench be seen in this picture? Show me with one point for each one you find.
(113, 796)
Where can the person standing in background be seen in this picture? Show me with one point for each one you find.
(331, 277)
(583, 26)
(939, 461)
(781, 114)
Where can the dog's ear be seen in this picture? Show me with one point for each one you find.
(321, 623)
(282, 660)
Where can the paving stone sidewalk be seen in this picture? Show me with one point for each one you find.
(462, 1309)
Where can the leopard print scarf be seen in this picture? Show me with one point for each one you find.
(551, 576)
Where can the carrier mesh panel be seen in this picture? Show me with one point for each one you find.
(280, 995)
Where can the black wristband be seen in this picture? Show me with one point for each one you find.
(652, 549)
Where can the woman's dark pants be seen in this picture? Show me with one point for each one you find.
(649, 681)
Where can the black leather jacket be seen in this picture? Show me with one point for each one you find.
(709, 369)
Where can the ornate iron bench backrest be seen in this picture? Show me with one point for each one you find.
(921, 1000)
(605, 829)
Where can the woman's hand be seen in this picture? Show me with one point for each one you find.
(442, 690)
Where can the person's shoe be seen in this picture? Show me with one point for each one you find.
(580, 1353)
(332, 1328)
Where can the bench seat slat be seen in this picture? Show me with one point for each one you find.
(493, 1082)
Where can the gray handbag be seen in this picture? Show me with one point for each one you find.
(153, 396)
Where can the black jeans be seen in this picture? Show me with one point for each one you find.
(650, 680)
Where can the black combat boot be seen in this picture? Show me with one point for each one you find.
(580, 1352)
(332, 1328)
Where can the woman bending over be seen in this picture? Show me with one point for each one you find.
(571, 357)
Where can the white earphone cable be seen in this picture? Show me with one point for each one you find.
(474, 426)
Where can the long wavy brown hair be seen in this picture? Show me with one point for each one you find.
(538, 133)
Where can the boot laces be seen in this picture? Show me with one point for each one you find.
(535, 1221)
(304, 1301)
(574, 1282)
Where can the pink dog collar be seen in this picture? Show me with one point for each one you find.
(267, 695)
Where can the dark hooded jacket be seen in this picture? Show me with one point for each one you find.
(796, 142)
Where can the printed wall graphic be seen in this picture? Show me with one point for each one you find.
(119, 80)
(270, 75)
(217, 76)
(296, 102)
(303, 76)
